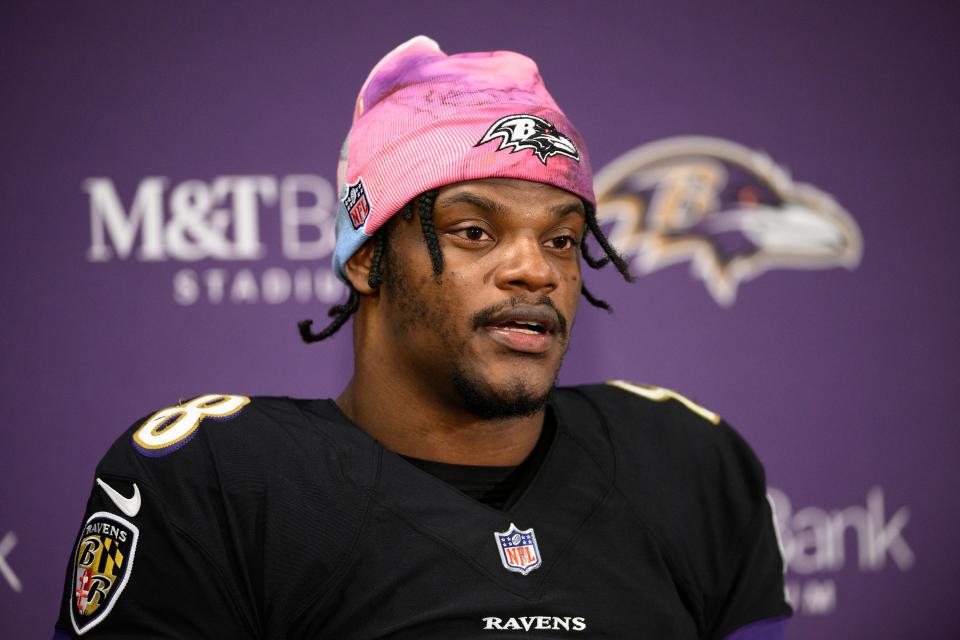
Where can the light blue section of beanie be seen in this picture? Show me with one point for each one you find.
(348, 240)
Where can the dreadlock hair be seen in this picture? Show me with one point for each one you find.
(425, 209)
(424, 206)
(342, 312)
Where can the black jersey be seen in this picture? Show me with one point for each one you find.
(227, 517)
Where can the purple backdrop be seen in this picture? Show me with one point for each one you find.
(842, 379)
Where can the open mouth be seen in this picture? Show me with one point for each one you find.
(522, 326)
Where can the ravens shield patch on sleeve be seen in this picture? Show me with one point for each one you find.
(102, 564)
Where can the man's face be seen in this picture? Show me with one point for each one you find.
(490, 335)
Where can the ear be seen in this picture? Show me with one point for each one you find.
(357, 269)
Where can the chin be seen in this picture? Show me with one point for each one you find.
(511, 398)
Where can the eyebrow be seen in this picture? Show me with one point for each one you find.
(491, 206)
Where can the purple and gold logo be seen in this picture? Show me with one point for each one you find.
(733, 213)
(102, 565)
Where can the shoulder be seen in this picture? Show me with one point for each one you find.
(647, 417)
(211, 419)
(671, 453)
(251, 457)
(200, 484)
(231, 439)
(626, 403)
(692, 481)
(171, 428)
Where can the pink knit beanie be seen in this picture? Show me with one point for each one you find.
(424, 119)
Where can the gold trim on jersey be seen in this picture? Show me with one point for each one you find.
(659, 394)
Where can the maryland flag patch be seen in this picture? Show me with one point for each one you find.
(101, 567)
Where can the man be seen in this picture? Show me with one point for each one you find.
(450, 491)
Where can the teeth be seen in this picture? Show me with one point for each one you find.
(518, 330)
(529, 327)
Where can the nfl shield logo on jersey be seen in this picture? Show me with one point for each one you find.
(102, 565)
(518, 549)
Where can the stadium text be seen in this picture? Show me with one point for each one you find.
(274, 285)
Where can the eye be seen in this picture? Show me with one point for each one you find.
(472, 234)
(562, 242)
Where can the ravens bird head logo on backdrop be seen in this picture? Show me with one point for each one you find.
(733, 213)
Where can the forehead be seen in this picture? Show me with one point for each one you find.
(504, 195)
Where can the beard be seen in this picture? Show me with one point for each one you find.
(517, 399)
(513, 398)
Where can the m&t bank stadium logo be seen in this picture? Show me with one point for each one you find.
(225, 229)
(731, 212)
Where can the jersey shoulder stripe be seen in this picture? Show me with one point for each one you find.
(661, 394)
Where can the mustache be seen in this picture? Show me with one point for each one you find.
(483, 317)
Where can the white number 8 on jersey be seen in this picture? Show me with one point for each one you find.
(171, 428)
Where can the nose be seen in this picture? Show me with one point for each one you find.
(525, 266)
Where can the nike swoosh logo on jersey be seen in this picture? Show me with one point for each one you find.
(130, 506)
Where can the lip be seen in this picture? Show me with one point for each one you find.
(519, 341)
(522, 342)
(541, 314)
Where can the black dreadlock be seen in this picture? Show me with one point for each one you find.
(597, 302)
(612, 254)
(425, 209)
(424, 205)
(340, 314)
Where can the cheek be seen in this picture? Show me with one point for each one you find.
(409, 309)
(456, 301)
(427, 313)
(572, 278)
(572, 295)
